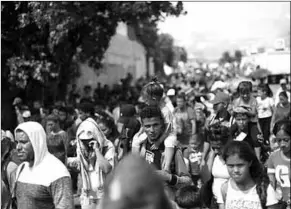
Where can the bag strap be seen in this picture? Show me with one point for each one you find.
(224, 189)
(17, 177)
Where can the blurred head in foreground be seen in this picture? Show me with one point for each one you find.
(134, 184)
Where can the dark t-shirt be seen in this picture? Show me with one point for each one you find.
(154, 156)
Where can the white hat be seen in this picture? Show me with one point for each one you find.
(171, 92)
(283, 81)
(218, 85)
(26, 114)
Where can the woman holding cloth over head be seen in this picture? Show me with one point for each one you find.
(95, 159)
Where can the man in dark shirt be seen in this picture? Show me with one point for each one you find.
(129, 126)
(154, 125)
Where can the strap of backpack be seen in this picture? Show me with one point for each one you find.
(224, 189)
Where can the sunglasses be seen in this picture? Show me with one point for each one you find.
(279, 140)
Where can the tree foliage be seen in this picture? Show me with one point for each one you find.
(44, 41)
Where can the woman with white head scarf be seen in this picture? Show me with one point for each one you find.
(95, 159)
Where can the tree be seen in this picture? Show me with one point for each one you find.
(237, 56)
(43, 42)
(226, 58)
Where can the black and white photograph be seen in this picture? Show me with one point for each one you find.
(145, 105)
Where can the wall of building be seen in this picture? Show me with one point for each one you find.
(124, 55)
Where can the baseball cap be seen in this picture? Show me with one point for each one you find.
(26, 114)
(126, 112)
(171, 92)
(283, 81)
(220, 97)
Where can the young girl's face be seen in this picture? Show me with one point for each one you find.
(245, 95)
(194, 142)
(262, 94)
(238, 169)
(283, 140)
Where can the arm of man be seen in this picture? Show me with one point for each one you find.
(62, 193)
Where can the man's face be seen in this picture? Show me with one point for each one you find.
(153, 127)
(242, 121)
(216, 146)
(218, 107)
(83, 115)
(36, 105)
(284, 86)
(106, 130)
(180, 102)
(24, 147)
(50, 126)
(62, 115)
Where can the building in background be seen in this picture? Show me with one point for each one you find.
(124, 55)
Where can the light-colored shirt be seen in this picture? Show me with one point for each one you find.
(264, 107)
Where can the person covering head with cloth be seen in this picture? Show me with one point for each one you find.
(279, 161)
(42, 181)
(95, 159)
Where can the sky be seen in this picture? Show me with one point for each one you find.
(209, 25)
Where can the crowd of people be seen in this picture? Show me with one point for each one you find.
(154, 145)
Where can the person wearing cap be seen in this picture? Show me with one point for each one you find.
(129, 126)
(95, 160)
(244, 130)
(283, 87)
(220, 104)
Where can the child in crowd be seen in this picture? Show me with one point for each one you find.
(249, 185)
(193, 157)
(153, 93)
(188, 197)
(265, 110)
(247, 99)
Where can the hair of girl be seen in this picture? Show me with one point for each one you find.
(257, 171)
(266, 88)
(153, 89)
(282, 125)
(245, 86)
(283, 94)
(218, 132)
(107, 120)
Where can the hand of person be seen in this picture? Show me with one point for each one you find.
(94, 144)
(164, 175)
(202, 164)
